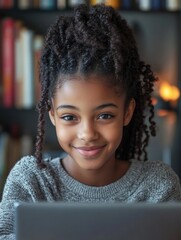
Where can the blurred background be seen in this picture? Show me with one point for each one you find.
(23, 23)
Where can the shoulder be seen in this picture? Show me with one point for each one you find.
(154, 167)
(27, 178)
(30, 163)
(161, 179)
(28, 167)
(159, 170)
(26, 162)
(154, 171)
(24, 166)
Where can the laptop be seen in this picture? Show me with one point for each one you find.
(97, 221)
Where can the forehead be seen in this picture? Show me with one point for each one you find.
(90, 89)
(106, 80)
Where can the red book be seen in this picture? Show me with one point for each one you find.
(1, 84)
(18, 76)
(8, 61)
(6, 4)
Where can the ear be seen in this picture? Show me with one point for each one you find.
(52, 116)
(129, 112)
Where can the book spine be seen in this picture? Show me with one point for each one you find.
(173, 5)
(5, 4)
(36, 3)
(113, 3)
(126, 4)
(28, 76)
(61, 4)
(155, 5)
(47, 4)
(24, 4)
(73, 3)
(18, 65)
(26, 142)
(94, 2)
(13, 147)
(1, 81)
(144, 5)
(8, 62)
(38, 43)
(4, 140)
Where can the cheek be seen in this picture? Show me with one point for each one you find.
(63, 135)
(114, 135)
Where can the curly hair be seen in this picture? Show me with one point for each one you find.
(98, 40)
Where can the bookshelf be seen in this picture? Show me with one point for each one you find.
(153, 29)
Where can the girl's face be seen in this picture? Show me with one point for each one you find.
(89, 117)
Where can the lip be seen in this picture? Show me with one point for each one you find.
(89, 151)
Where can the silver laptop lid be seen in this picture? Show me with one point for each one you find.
(113, 221)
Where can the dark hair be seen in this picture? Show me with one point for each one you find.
(98, 40)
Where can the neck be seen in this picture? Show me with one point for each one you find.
(97, 177)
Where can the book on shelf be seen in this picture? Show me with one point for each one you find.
(74, 3)
(28, 88)
(8, 61)
(173, 5)
(93, 2)
(47, 4)
(12, 149)
(6, 4)
(113, 3)
(61, 4)
(21, 49)
(41, 4)
(26, 144)
(18, 65)
(127, 4)
(143, 5)
(24, 4)
(4, 138)
(1, 83)
(38, 42)
(123, 4)
(36, 3)
(152, 5)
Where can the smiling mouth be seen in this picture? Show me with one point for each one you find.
(89, 151)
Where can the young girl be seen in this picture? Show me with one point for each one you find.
(98, 95)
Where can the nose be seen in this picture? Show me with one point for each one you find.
(87, 131)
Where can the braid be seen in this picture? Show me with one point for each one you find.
(42, 107)
(139, 131)
(40, 133)
(97, 40)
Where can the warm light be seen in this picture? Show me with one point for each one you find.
(169, 92)
(175, 93)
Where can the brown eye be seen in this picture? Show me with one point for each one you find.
(68, 118)
(105, 116)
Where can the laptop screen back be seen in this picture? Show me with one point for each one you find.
(73, 221)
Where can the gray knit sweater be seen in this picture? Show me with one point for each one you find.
(144, 181)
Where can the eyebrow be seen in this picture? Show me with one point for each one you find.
(102, 106)
(106, 105)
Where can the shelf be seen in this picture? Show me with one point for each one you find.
(26, 118)
(69, 11)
